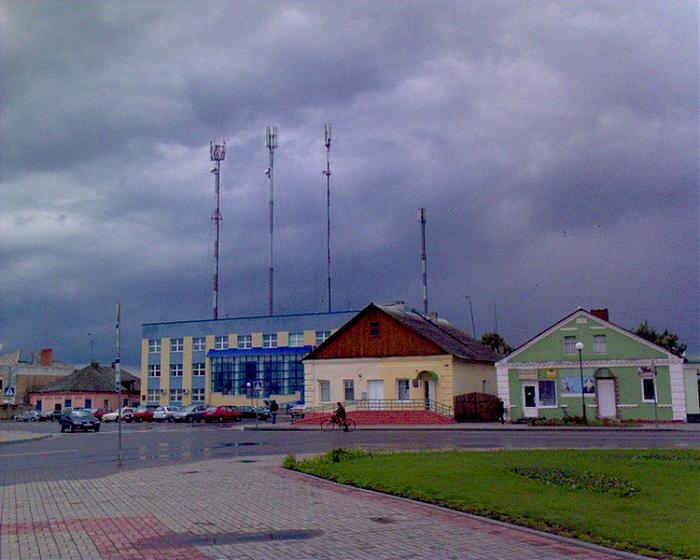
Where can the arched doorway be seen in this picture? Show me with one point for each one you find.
(428, 381)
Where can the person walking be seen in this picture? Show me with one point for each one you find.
(500, 409)
(274, 407)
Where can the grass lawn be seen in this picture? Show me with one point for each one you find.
(647, 501)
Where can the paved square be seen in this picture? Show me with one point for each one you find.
(245, 509)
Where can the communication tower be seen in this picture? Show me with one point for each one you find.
(271, 144)
(217, 153)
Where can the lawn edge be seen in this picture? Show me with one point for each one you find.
(524, 524)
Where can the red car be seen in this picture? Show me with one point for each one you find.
(222, 414)
(144, 413)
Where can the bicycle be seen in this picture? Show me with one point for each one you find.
(329, 424)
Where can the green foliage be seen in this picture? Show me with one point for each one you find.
(585, 494)
(496, 342)
(290, 461)
(666, 339)
(578, 480)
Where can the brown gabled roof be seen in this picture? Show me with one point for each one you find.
(93, 379)
(446, 336)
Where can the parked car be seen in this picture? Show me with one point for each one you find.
(127, 413)
(144, 413)
(222, 414)
(262, 412)
(297, 411)
(51, 416)
(191, 413)
(99, 413)
(27, 416)
(79, 419)
(165, 413)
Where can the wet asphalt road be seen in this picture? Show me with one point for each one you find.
(86, 455)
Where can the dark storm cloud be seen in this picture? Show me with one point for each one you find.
(554, 145)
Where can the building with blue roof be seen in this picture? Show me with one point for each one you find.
(220, 361)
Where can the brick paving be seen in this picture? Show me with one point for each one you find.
(246, 509)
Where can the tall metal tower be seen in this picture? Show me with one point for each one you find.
(217, 153)
(327, 173)
(423, 258)
(271, 143)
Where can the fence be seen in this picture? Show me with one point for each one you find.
(387, 404)
(476, 407)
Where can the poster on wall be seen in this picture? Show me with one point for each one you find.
(571, 385)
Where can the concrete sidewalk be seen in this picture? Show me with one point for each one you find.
(250, 509)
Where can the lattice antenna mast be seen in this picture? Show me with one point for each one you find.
(423, 258)
(327, 173)
(217, 153)
(271, 143)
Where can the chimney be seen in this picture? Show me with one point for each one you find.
(600, 313)
(46, 357)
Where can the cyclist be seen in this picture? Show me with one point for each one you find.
(339, 416)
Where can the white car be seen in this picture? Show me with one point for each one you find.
(165, 413)
(112, 416)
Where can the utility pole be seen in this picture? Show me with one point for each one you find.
(471, 312)
(118, 382)
(327, 173)
(423, 258)
(217, 153)
(271, 144)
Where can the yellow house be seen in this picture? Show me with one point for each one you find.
(394, 357)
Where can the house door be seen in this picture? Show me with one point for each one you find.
(607, 407)
(530, 400)
(375, 393)
(429, 393)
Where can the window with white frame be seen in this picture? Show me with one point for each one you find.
(176, 344)
(154, 370)
(569, 345)
(404, 390)
(296, 339)
(648, 389)
(154, 345)
(270, 340)
(547, 393)
(221, 342)
(321, 336)
(349, 385)
(244, 341)
(600, 344)
(176, 395)
(176, 370)
(153, 395)
(199, 369)
(324, 390)
(199, 343)
(198, 395)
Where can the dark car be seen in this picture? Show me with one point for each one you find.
(191, 413)
(80, 419)
(262, 412)
(52, 416)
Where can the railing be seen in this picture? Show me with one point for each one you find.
(386, 404)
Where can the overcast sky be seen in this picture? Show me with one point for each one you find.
(553, 144)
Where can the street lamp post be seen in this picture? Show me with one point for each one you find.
(579, 347)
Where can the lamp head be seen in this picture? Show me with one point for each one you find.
(579, 346)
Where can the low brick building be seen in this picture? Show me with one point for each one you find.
(90, 387)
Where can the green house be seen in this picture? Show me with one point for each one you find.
(586, 358)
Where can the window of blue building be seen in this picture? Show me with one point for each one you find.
(281, 372)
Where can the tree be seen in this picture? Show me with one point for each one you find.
(496, 342)
(666, 339)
